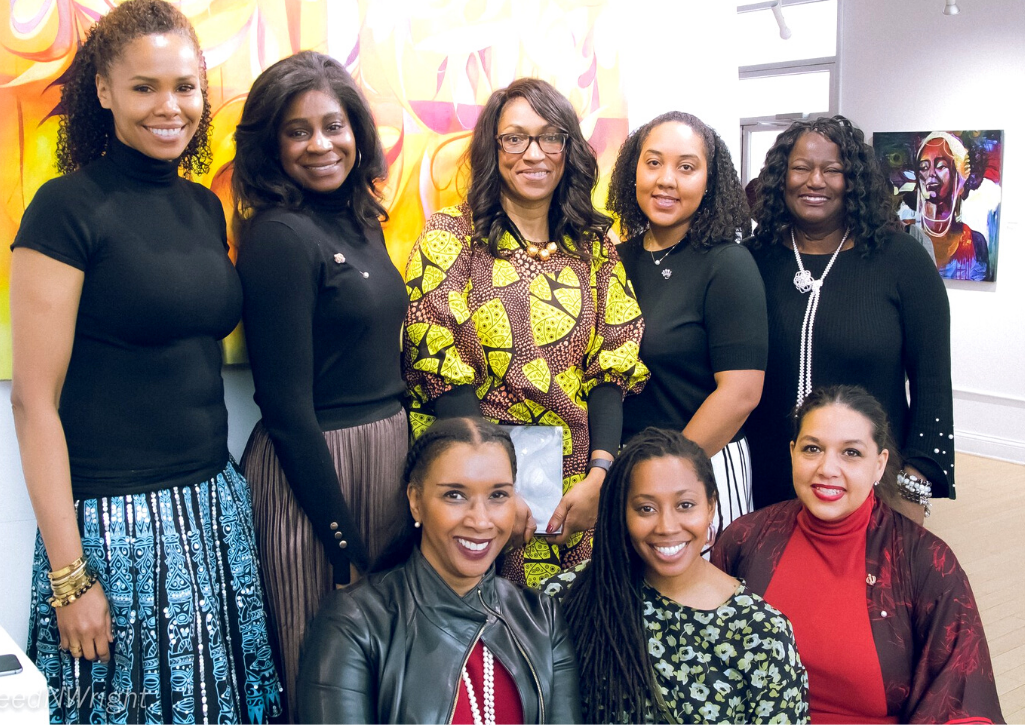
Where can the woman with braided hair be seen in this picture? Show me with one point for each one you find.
(146, 602)
(661, 634)
(433, 635)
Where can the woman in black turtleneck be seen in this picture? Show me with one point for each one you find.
(146, 600)
(323, 310)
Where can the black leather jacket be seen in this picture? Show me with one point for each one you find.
(391, 648)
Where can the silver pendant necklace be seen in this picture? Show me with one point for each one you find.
(804, 283)
(666, 273)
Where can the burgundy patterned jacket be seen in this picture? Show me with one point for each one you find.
(927, 631)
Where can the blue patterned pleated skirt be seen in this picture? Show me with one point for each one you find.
(179, 569)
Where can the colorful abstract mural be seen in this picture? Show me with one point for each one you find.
(426, 68)
(947, 191)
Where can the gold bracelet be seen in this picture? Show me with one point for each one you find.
(80, 561)
(57, 581)
(63, 601)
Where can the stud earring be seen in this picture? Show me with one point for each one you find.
(416, 524)
(876, 483)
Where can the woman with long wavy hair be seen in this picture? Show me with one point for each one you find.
(520, 309)
(851, 300)
(147, 604)
(323, 307)
(682, 209)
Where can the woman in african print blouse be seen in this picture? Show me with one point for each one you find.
(520, 310)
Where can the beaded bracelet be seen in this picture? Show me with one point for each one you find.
(916, 490)
(64, 600)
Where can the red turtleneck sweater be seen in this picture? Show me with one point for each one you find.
(819, 585)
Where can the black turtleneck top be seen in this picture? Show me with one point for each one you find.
(143, 403)
(323, 314)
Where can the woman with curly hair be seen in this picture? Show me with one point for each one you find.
(851, 300)
(520, 309)
(661, 634)
(323, 310)
(682, 210)
(146, 597)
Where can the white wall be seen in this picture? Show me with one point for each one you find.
(904, 66)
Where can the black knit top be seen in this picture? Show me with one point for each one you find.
(323, 315)
(143, 403)
(883, 322)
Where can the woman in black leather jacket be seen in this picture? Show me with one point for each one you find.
(439, 638)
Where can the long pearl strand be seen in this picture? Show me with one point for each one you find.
(489, 691)
(804, 283)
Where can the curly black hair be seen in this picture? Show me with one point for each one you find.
(258, 180)
(722, 214)
(867, 204)
(571, 212)
(85, 126)
(604, 605)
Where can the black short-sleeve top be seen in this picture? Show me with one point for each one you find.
(143, 401)
(704, 312)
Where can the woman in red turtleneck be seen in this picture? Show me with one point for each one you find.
(883, 615)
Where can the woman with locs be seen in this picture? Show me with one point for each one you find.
(851, 300)
(323, 310)
(661, 634)
(146, 604)
(682, 209)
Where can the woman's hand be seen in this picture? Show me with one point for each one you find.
(525, 525)
(85, 626)
(578, 509)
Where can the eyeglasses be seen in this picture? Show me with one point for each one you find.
(518, 143)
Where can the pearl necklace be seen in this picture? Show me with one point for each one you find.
(489, 691)
(804, 283)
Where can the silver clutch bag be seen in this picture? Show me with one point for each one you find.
(538, 469)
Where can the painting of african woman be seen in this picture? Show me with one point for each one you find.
(946, 191)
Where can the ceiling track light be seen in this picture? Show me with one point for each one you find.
(784, 31)
(951, 8)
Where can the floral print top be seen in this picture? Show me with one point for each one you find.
(736, 663)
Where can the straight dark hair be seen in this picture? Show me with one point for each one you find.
(572, 213)
(722, 217)
(258, 180)
(604, 607)
(437, 439)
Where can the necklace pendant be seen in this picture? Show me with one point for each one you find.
(658, 262)
(667, 273)
(803, 281)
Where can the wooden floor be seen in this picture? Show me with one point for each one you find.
(984, 527)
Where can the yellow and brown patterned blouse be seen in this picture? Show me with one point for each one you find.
(532, 337)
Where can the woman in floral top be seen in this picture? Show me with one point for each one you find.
(694, 645)
(520, 309)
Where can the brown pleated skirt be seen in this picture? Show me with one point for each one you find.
(297, 574)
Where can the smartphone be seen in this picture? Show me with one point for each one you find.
(9, 665)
